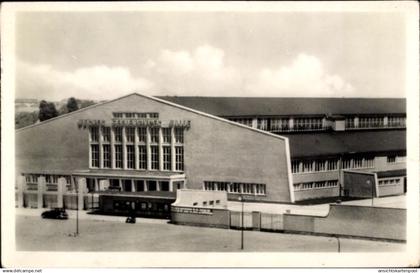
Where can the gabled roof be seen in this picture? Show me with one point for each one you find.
(346, 142)
(266, 106)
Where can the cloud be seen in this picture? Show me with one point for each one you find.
(202, 71)
(95, 82)
(304, 77)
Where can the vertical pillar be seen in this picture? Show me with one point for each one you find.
(254, 189)
(61, 188)
(300, 166)
(101, 148)
(173, 165)
(385, 121)
(291, 124)
(112, 142)
(81, 190)
(148, 153)
(145, 185)
(124, 147)
(133, 185)
(120, 184)
(136, 148)
(254, 123)
(41, 189)
(157, 185)
(103, 185)
(21, 187)
(171, 185)
(356, 122)
(160, 149)
(326, 165)
(241, 188)
(96, 188)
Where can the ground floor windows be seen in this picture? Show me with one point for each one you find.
(331, 164)
(315, 185)
(389, 181)
(235, 187)
(151, 185)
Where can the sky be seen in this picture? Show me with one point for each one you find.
(105, 55)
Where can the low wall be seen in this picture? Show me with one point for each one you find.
(360, 221)
(200, 217)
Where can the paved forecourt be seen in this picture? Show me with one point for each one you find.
(36, 234)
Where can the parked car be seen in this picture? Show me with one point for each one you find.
(56, 213)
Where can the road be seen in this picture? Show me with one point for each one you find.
(36, 234)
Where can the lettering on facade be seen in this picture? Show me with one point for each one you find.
(116, 122)
(85, 123)
(192, 210)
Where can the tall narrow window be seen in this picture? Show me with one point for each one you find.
(129, 132)
(118, 156)
(179, 135)
(154, 135)
(94, 133)
(107, 155)
(154, 157)
(142, 134)
(106, 133)
(142, 157)
(118, 134)
(179, 158)
(130, 156)
(166, 132)
(166, 157)
(95, 155)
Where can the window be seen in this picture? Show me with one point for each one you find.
(358, 163)
(320, 184)
(141, 115)
(260, 189)
(211, 203)
(106, 133)
(94, 134)
(95, 156)
(107, 155)
(244, 121)
(118, 156)
(301, 124)
(154, 135)
(195, 204)
(166, 133)
(130, 115)
(129, 133)
(332, 164)
(307, 185)
(235, 188)
(371, 122)
(319, 165)
(154, 157)
(167, 158)
(139, 185)
(262, 124)
(369, 162)
(332, 183)
(350, 122)
(396, 121)
(307, 166)
(153, 115)
(142, 134)
(117, 115)
(295, 166)
(142, 157)
(164, 185)
(130, 156)
(151, 185)
(279, 124)
(347, 163)
(179, 158)
(118, 134)
(179, 135)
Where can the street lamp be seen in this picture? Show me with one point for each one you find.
(241, 199)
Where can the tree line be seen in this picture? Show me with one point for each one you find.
(47, 110)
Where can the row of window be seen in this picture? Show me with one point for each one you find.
(130, 134)
(49, 179)
(323, 165)
(134, 115)
(315, 123)
(139, 185)
(375, 122)
(130, 157)
(234, 187)
(393, 181)
(315, 185)
(395, 159)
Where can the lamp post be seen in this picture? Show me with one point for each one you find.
(241, 199)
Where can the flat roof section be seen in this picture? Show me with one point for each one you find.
(346, 142)
(393, 173)
(275, 106)
(145, 194)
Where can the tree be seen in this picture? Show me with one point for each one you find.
(24, 119)
(72, 105)
(47, 110)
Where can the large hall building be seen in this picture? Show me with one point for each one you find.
(268, 149)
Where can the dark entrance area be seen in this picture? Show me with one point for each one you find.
(127, 185)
